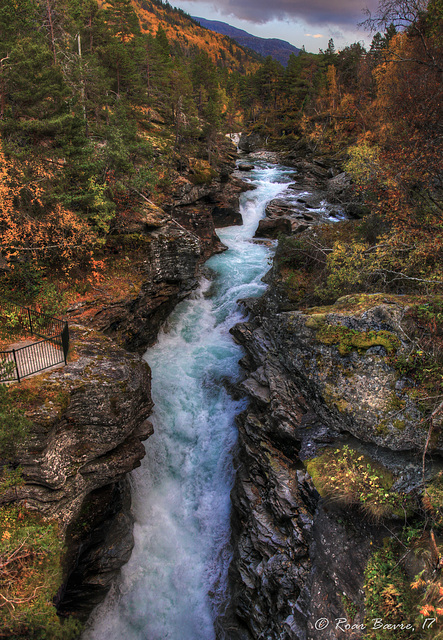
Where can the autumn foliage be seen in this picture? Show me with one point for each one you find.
(31, 232)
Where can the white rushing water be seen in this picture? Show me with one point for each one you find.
(175, 582)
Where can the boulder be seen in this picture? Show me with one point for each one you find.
(273, 228)
(251, 142)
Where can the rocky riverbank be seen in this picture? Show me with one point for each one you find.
(326, 396)
(299, 558)
(88, 419)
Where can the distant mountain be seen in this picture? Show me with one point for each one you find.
(278, 49)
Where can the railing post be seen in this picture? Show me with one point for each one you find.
(16, 365)
(30, 321)
(65, 341)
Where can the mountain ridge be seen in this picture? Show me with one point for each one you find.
(278, 49)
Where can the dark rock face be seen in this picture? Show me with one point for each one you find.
(298, 559)
(226, 217)
(272, 228)
(339, 553)
(98, 548)
(250, 142)
(226, 203)
(319, 172)
(87, 435)
(170, 270)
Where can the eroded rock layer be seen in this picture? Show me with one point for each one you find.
(318, 380)
(296, 560)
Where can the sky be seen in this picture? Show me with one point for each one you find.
(301, 22)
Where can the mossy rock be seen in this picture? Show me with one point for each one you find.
(316, 321)
(348, 340)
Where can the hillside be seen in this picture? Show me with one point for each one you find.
(278, 49)
(182, 30)
(112, 103)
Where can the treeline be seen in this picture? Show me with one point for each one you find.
(379, 112)
(95, 115)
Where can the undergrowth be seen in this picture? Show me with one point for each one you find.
(331, 261)
(30, 561)
(388, 597)
(346, 477)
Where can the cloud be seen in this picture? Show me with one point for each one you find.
(317, 35)
(343, 12)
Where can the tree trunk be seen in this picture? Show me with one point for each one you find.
(51, 27)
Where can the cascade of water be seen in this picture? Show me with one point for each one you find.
(174, 585)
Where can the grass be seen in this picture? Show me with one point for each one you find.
(14, 426)
(347, 477)
(31, 553)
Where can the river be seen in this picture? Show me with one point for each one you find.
(175, 583)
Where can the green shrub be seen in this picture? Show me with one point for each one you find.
(348, 477)
(14, 426)
(30, 555)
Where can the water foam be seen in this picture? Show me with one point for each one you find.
(175, 583)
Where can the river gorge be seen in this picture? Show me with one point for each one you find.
(232, 540)
(176, 580)
(220, 532)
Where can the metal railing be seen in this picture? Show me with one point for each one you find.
(52, 349)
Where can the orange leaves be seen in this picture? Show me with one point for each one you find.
(46, 236)
(427, 610)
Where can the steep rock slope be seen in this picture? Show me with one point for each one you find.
(324, 379)
(294, 558)
(88, 421)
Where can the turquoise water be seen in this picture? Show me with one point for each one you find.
(174, 585)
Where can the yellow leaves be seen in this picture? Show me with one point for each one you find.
(52, 236)
(364, 163)
(391, 599)
(417, 584)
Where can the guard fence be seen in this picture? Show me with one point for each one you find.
(51, 349)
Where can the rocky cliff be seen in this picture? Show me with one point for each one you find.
(88, 421)
(299, 557)
(172, 242)
(89, 418)
(331, 464)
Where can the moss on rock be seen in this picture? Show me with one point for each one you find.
(349, 339)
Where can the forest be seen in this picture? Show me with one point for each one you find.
(81, 88)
